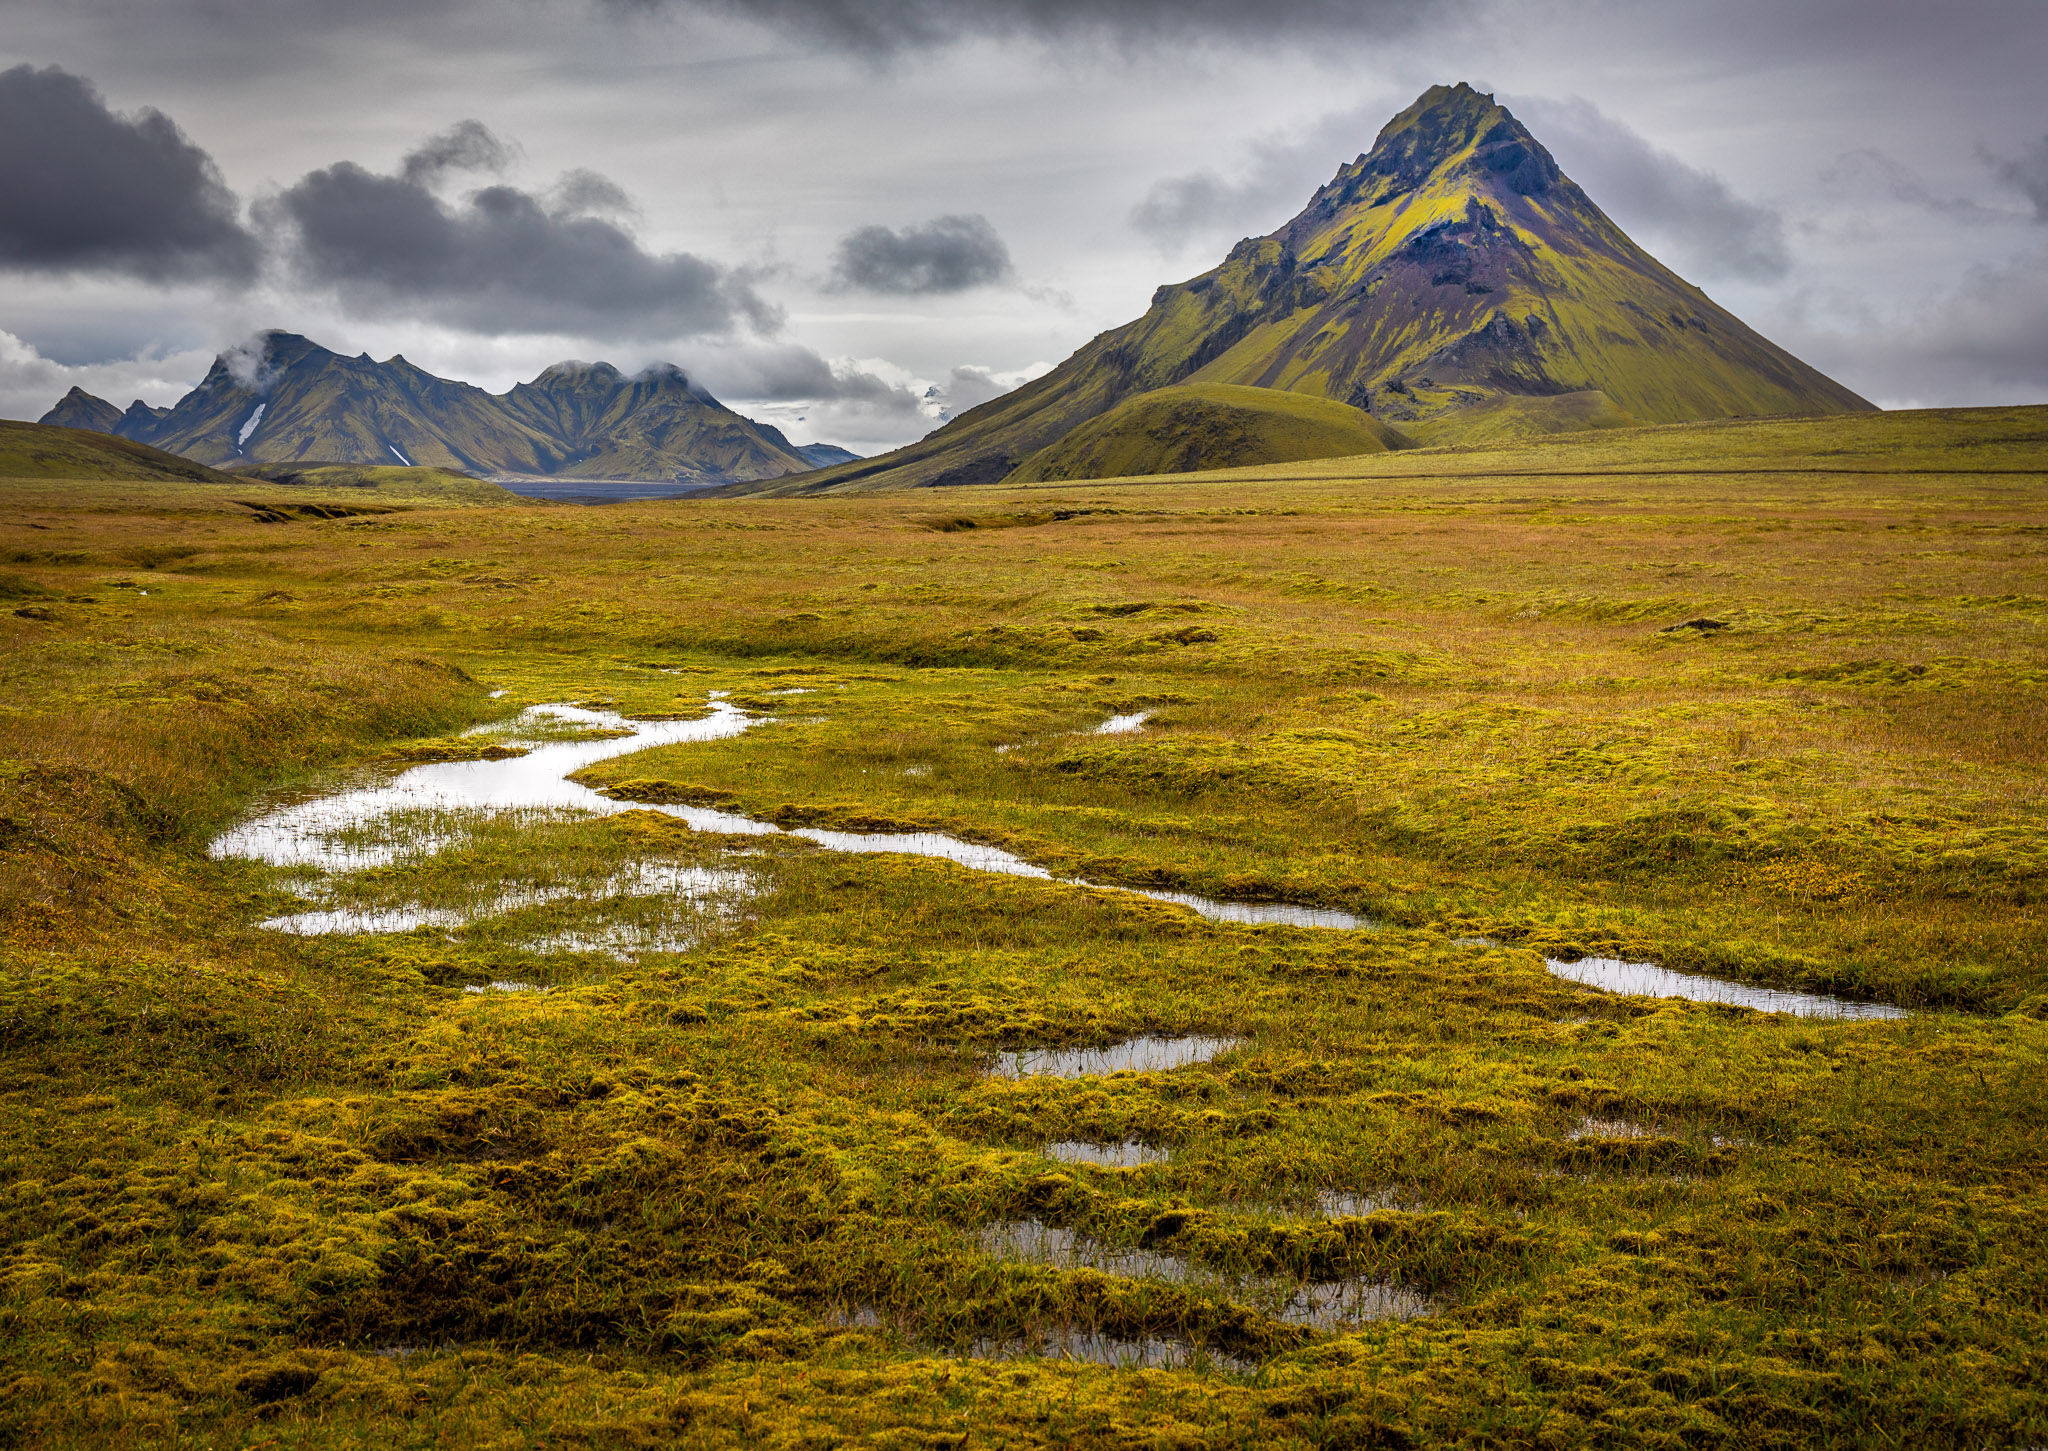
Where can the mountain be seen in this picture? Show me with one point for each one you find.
(1200, 426)
(824, 455)
(1451, 265)
(293, 401)
(80, 409)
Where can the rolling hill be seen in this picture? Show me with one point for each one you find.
(1201, 426)
(44, 451)
(293, 401)
(1451, 266)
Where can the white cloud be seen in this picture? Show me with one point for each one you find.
(31, 383)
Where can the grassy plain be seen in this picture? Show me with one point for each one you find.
(270, 1190)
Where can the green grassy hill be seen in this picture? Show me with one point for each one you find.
(42, 451)
(47, 467)
(1200, 426)
(1451, 265)
(413, 485)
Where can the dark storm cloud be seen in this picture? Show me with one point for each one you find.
(946, 254)
(500, 260)
(879, 27)
(1689, 217)
(85, 190)
(465, 146)
(789, 372)
(2029, 173)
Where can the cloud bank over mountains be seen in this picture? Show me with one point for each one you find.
(499, 259)
(87, 191)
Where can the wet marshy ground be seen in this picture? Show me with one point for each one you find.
(340, 832)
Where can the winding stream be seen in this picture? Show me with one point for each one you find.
(337, 833)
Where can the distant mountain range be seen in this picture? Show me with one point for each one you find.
(1451, 278)
(289, 400)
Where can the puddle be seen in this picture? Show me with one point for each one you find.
(1352, 1204)
(1123, 725)
(1626, 1128)
(1261, 914)
(509, 987)
(1071, 1342)
(306, 833)
(1147, 1053)
(1646, 979)
(363, 919)
(921, 843)
(649, 881)
(1615, 1128)
(1333, 1304)
(1313, 1304)
(1130, 1154)
(1062, 1341)
(1035, 1242)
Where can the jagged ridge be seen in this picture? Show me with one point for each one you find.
(291, 401)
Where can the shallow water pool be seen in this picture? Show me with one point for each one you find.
(1146, 1053)
(1646, 979)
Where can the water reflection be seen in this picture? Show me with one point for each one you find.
(1353, 1204)
(1072, 1342)
(1262, 914)
(315, 832)
(1147, 1053)
(1314, 1304)
(1646, 979)
(1123, 725)
(1130, 1154)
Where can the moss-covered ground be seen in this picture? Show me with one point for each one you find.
(260, 1189)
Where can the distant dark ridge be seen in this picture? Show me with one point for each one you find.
(292, 401)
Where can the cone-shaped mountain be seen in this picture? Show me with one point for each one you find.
(290, 400)
(1451, 266)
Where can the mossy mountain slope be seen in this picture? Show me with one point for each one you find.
(80, 409)
(44, 451)
(294, 401)
(1452, 264)
(1200, 426)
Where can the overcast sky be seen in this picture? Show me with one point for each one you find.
(848, 216)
